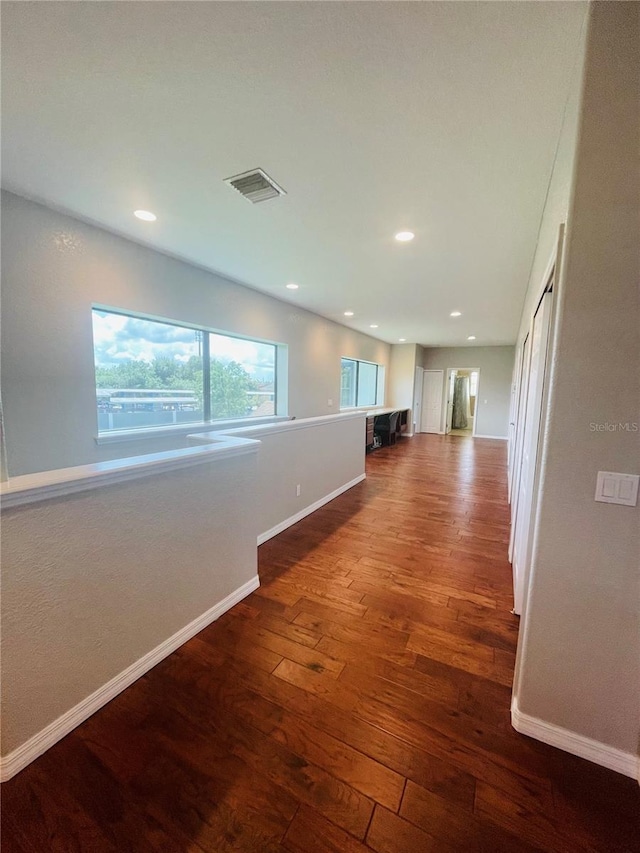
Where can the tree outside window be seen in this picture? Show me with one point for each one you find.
(151, 373)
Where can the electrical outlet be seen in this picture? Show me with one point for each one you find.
(329, 402)
(298, 490)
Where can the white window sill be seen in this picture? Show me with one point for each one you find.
(276, 426)
(29, 488)
(120, 435)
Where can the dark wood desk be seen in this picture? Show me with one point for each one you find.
(401, 427)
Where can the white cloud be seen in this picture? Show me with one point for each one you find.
(120, 338)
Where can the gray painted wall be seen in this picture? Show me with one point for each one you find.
(402, 374)
(54, 267)
(494, 390)
(580, 635)
(319, 456)
(81, 602)
(558, 194)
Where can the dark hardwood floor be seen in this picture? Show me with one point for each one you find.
(359, 700)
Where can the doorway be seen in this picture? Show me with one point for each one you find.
(462, 401)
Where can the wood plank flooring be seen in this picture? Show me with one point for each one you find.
(358, 701)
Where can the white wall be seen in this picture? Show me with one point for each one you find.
(494, 390)
(54, 267)
(580, 634)
(94, 581)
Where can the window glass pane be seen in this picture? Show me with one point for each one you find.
(473, 385)
(147, 373)
(349, 371)
(359, 383)
(367, 383)
(243, 378)
(152, 373)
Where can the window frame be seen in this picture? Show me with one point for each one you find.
(379, 392)
(280, 405)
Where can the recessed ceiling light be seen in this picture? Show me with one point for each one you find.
(373, 326)
(146, 215)
(404, 236)
(292, 286)
(402, 340)
(456, 314)
(348, 313)
(471, 338)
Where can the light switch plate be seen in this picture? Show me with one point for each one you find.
(614, 488)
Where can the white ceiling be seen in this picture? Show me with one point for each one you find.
(441, 118)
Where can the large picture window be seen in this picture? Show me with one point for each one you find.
(359, 384)
(151, 373)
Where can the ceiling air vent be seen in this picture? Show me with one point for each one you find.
(255, 186)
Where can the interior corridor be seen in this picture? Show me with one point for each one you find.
(359, 700)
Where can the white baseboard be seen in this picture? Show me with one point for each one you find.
(294, 519)
(30, 750)
(497, 437)
(599, 753)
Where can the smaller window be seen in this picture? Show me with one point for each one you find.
(359, 383)
(473, 384)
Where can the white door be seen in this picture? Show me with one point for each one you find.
(513, 418)
(450, 389)
(523, 527)
(518, 429)
(432, 400)
(417, 399)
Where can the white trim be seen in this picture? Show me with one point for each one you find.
(280, 426)
(28, 488)
(294, 519)
(599, 753)
(172, 430)
(55, 731)
(497, 437)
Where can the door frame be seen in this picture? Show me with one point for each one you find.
(552, 281)
(555, 268)
(521, 413)
(416, 414)
(521, 539)
(514, 407)
(448, 401)
(446, 397)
